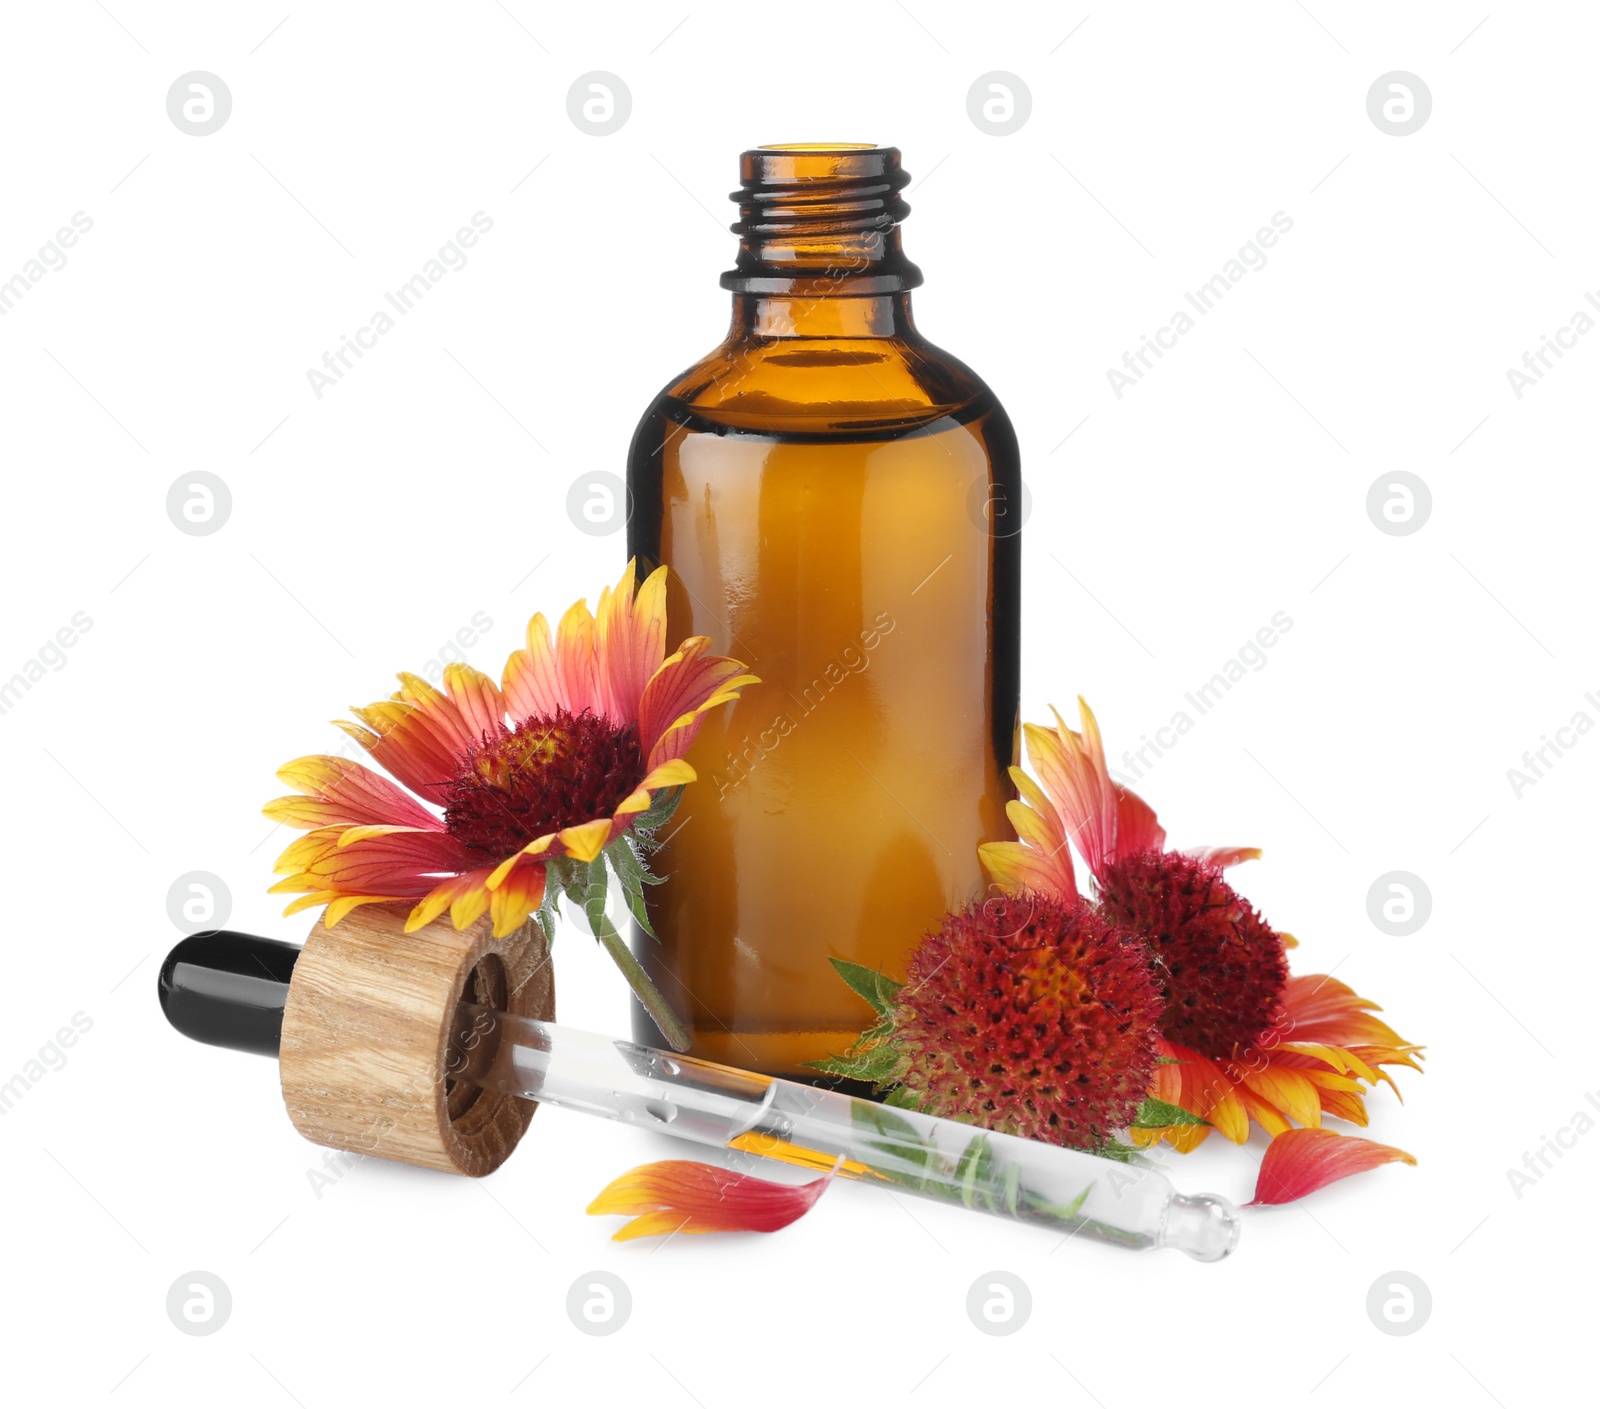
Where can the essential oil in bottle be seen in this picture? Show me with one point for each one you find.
(835, 497)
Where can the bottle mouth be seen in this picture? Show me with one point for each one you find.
(819, 218)
(788, 183)
(820, 147)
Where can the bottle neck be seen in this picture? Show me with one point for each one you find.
(821, 316)
(819, 244)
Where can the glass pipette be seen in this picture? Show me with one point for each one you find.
(1072, 1191)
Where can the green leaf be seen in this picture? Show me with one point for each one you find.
(624, 860)
(846, 1066)
(1154, 1114)
(547, 923)
(906, 1155)
(1064, 1212)
(636, 908)
(660, 811)
(632, 875)
(586, 888)
(902, 1098)
(1011, 1188)
(967, 1168)
(564, 876)
(872, 1059)
(878, 989)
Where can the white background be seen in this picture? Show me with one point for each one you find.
(429, 485)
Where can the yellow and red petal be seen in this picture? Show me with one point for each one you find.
(1352, 1029)
(1336, 1057)
(403, 863)
(1346, 1105)
(1016, 868)
(443, 896)
(587, 840)
(1264, 1113)
(674, 773)
(686, 1196)
(1182, 1138)
(415, 859)
(477, 700)
(675, 696)
(1332, 1081)
(1137, 827)
(1224, 856)
(545, 846)
(631, 641)
(517, 897)
(1104, 819)
(1379, 1056)
(302, 852)
(1319, 1010)
(1299, 1162)
(347, 835)
(405, 742)
(1041, 833)
(1079, 800)
(531, 684)
(1320, 998)
(452, 727)
(469, 903)
(1287, 1091)
(340, 790)
(339, 908)
(637, 801)
(1202, 1088)
(575, 659)
(308, 813)
(306, 902)
(363, 736)
(1035, 797)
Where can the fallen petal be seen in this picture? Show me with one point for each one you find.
(685, 1196)
(1299, 1162)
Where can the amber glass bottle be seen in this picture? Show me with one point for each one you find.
(836, 498)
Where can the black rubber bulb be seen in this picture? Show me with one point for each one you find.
(228, 989)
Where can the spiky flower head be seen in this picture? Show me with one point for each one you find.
(1030, 1015)
(1221, 967)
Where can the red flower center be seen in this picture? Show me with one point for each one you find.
(550, 772)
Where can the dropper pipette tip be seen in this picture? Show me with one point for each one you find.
(1202, 1225)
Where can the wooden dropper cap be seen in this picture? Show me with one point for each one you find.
(367, 1031)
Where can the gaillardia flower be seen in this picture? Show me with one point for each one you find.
(1222, 967)
(569, 762)
(1241, 1040)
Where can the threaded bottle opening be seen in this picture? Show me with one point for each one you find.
(819, 188)
(821, 210)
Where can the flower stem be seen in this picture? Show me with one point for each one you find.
(647, 993)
